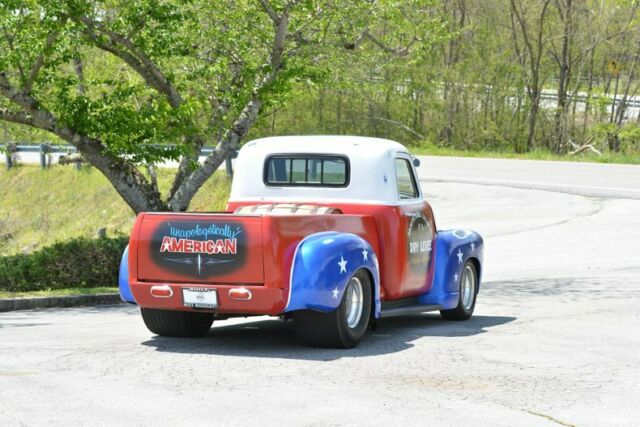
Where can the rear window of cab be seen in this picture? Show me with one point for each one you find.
(306, 170)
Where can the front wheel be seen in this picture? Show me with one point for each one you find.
(468, 290)
(345, 326)
(176, 323)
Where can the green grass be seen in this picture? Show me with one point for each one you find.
(433, 150)
(59, 292)
(40, 207)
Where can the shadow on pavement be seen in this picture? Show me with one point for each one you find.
(276, 339)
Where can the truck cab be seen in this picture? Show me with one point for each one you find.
(332, 232)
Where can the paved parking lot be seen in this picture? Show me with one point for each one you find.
(554, 341)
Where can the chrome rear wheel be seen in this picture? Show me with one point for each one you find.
(343, 327)
(355, 301)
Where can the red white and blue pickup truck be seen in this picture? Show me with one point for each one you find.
(332, 232)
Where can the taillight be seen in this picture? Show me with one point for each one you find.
(241, 294)
(162, 291)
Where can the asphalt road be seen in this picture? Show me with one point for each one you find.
(554, 339)
(588, 179)
(581, 178)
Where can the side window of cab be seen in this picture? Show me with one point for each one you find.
(406, 180)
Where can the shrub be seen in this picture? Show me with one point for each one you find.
(78, 262)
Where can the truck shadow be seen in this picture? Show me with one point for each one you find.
(276, 339)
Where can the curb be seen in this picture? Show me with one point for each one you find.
(29, 303)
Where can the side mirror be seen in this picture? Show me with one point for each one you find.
(416, 162)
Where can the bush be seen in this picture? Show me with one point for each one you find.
(75, 263)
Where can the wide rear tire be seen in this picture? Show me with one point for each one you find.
(467, 292)
(176, 323)
(343, 327)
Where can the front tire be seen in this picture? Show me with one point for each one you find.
(169, 323)
(345, 326)
(467, 292)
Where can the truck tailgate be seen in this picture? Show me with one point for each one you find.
(198, 248)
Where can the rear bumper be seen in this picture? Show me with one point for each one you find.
(267, 301)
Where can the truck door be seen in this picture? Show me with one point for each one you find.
(418, 228)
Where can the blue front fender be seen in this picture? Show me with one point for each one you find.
(453, 249)
(322, 265)
(123, 278)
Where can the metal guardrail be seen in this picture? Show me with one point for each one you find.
(46, 150)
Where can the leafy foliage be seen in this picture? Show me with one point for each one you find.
(467, 88)
(78, 262)
(121, 80)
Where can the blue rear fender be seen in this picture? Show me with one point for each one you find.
(453, 249)
(123, 278)
(322, 265)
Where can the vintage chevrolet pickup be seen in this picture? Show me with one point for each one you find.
(332, 232)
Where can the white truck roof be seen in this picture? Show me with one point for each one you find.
(371, 161)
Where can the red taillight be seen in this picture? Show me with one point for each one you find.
(161, 291)
(242, 294)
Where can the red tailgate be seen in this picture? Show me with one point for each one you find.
(200, 248)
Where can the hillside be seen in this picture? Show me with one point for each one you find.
(38, 208)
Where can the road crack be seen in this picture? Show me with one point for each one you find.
(549, 417)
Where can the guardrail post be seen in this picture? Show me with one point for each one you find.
(45, 159)
(9, 151)
(9, 158)
(228, 166)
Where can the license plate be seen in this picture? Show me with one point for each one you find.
(200, 298)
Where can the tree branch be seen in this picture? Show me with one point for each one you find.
(134, 57)
(366, 35)
(38, 63)
(123, 48)
(78, 69)
(403, 51)
(9, 39)
(400, 125)
(15, 117)
(180, 200)
(270, 11)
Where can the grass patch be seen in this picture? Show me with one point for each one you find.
(59, 292)
(607, 157)
(42, 207)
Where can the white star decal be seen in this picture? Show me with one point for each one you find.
(473, 247)
(455, 277)
(365, 254)
(335, 293)
(459, 256)
(343, 264)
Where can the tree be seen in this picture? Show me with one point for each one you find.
(531, 53)
(119, 80)
(563, 59)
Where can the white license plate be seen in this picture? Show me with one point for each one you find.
(200, 298)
